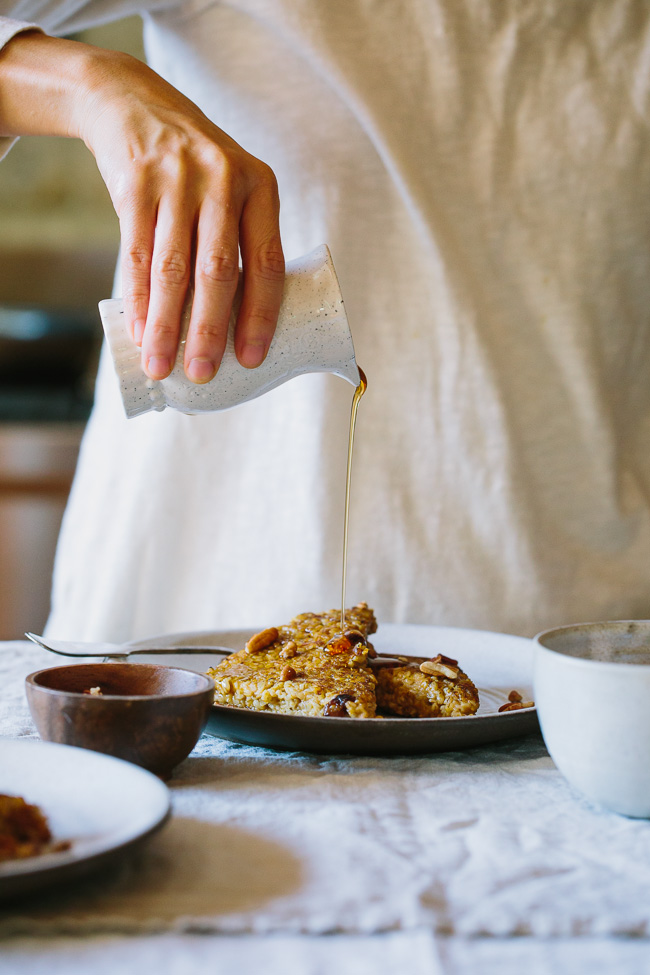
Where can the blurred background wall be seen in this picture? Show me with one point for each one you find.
(58, 246)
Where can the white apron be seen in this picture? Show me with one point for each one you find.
(481, 172)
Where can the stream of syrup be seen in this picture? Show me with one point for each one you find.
(358, 393)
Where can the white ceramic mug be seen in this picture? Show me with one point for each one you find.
(312, 335)
(592, 692)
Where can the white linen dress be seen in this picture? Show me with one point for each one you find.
(481, 172)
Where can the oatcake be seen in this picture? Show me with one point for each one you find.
(24, 830)
(309, 667)
(406, 691)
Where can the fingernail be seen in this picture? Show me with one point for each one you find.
(200, 370)
(138, 331)
(252, 355)
(158, 367)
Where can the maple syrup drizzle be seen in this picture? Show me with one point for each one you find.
(358, 393)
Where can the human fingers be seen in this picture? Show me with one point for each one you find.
(170, 278)
(263, 264)
(137, 228)
(216, 273)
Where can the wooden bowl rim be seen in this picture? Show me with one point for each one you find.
(32, 681)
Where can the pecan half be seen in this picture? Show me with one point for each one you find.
(262, 640)
(516, 705)
(441, 659)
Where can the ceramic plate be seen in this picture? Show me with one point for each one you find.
(101, 805)
(496, 662)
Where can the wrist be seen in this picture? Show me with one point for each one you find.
(45, 83)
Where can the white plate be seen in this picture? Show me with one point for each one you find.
(101, 805)
(496, 662)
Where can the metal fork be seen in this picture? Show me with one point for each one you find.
(117, 651)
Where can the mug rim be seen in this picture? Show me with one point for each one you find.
(614, 625)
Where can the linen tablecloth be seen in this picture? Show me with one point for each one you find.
(490, 841)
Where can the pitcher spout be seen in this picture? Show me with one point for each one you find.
(349, 371)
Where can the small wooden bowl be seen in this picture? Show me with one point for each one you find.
(148, 714)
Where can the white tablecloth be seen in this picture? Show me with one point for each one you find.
(478, 860)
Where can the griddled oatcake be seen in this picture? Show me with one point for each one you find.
(407, 691)
(24, 830)
(309, 667)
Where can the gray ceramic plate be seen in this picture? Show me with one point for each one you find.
(101, 805)
(496, 662)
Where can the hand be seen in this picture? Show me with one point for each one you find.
(188, 200)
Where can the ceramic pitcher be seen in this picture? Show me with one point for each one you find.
(312, 335)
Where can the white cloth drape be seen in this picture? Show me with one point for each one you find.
(486, 842)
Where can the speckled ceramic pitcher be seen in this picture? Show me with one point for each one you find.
(312, 335)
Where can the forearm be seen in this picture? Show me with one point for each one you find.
(189, 198)
(45, 82)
